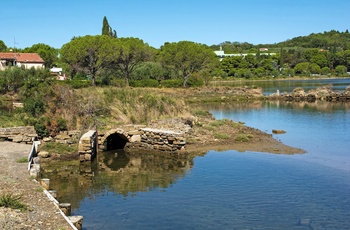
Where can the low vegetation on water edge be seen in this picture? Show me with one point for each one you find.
(55, 147)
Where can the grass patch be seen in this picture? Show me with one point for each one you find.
(218, 123)
(221, 136)
(243, 137)
(201, 113)
(22, 160)
(11, 201)
(54, 147)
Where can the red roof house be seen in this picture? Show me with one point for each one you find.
(28, 60)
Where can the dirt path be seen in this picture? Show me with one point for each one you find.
(15, 180)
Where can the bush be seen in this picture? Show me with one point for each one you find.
(172, 83)
(34, 107)
(40, 128)
(144, 83)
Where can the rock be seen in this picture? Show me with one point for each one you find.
(33, 173)
(135, 138)
(36, 160)
(17, 139)
(62, 137)
(47, 139)
(278, 131)
(44, 154)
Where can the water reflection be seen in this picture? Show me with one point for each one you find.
(115, 171)
(317, 106)
(270, 86)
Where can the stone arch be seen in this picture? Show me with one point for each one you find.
(114, 139)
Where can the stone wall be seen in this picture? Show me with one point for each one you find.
(164, 136)
(22, 134)
(88, 146)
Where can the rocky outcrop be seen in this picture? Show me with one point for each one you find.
(324, 93)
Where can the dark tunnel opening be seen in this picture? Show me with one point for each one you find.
(115, 141)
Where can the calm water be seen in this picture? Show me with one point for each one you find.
(224, 190)
(271, 86)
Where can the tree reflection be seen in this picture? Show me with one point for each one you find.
(117, 172)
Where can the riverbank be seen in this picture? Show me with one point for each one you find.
(15, 180)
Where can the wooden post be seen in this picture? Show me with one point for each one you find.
(66, 208)
(53, 193)
(45, 183)
(77, 221)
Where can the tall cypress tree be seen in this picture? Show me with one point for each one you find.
(105, 26)
(107, 29)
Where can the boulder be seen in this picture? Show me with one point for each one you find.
(44, 154)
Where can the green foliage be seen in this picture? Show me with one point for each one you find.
(130, 52)
(325, 40)
(107, 29)
(34, 107)
(221, 136)
(46, 52)
(144, 83)
(218, 123)
(341, 70)
(40, 127)
(22, 160)
(11, 201)
(241, 137)
(55, 147)
(89, 54)
(3, 47)
(172, 83)
(76, 84)
(187, 57)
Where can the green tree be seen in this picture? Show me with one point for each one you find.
(129, 53)
(107, 29)
(341, 70)
(319, 59)
(325, 70)
(46, 52)
(3, 47)
(89, 54)
(314, 68)
(302, 68)
(187, 57)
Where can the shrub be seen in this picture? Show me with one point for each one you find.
(221, 136)
(40, 128)
(34, 107)
(172, 83)
(243, 137)
(11, 201)
(144, 83)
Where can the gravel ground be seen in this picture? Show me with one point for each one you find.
(15, 180)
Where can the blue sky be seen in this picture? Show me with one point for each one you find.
(55, 22)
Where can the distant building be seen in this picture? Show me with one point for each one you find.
(27, 60)
(58, 73)
(221, 54)
(263, 49)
